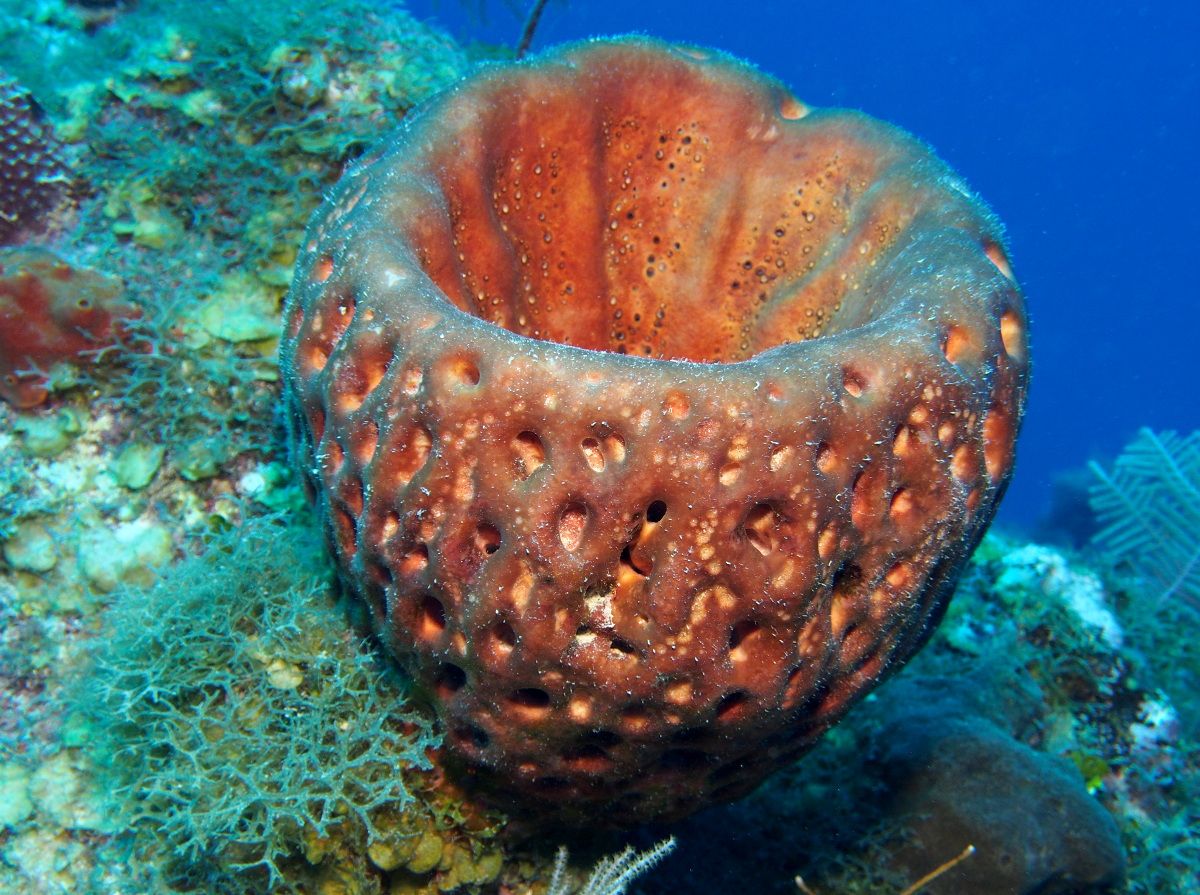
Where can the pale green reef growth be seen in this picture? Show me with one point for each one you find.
(48, 436)
(30, 548)
(202, 136)
(242, 724)
(137, 464)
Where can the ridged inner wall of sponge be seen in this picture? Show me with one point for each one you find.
(715, 233)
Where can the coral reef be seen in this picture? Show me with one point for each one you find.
(611, 875)
(35, 185)
(647, 486)
(246, 737)
(1013, 666)
(1148, 507)
(1149, 510)
(960, 781)
(53, 314)
(201, 137)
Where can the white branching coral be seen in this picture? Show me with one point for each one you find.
(611, 875)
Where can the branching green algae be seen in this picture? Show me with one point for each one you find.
(252, 742)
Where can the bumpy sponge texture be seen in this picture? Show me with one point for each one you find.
(652, 414)
(35, 184)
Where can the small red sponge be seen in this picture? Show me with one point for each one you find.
(51, 312)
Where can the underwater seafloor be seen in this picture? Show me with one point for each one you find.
(185, 708)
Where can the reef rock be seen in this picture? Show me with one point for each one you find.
(958, 779)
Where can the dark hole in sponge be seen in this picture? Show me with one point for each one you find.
(487, 539)
(743, 638)
(622, 646)
(740, 632)
(731, 706)
(380, 572)
(433, 617)
(627, 562)
(450, 679)
(589, 759)
(847, 579)
(530, 698)
(468, 737)
(504, 634)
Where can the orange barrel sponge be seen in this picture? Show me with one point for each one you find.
(652, 414)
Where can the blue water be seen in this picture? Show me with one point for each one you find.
(1079, 122)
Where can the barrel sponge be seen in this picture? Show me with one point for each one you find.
(652, 414)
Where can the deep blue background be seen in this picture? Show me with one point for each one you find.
(1079, 122)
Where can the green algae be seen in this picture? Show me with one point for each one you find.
(31, 548)
(203, 136)
(251, 741)
(136, 465)
(48, 435)
(15, 801)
